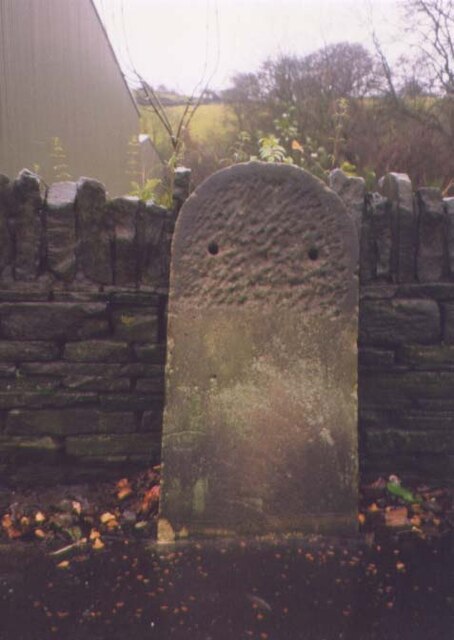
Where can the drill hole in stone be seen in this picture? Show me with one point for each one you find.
(213, 248)
(313, 253)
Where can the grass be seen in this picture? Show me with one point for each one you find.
(210, 122)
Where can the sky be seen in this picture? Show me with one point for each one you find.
(183, 43)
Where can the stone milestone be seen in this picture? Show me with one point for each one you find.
(260, 426)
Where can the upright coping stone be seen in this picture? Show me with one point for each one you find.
(260, 425)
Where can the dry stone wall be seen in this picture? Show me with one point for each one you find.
(406, 335)
(83, 285)
(83, 295)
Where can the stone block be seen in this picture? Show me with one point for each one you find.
(449, 209)
(7, 371)
(46, 399)
(124, 215)
(95, 383)
(381, 236)
(27, 225)
(6, 245)
(395, 322)
(153, 245)
(97, 351)
(139, 444)
(434, 357)
(96, 232)
(181, 188)
(150, 352)
(133, 298)
(40, 446)
(448, 322)
(379, 358)
(150, 385)
(131, 401)
(397, 188)
(426, 420)
(440, 291)
(395, 442)
(151, 421)
(61, 230)
(261, 376)
(135, 325)
(431, 262)
(67, 422)
(11, 351)
(403, 390)
(75, 368)
(52, 321)
(40, 384)
(352, 192)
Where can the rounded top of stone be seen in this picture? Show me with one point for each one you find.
(266, 234)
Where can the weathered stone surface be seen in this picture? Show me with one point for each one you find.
(376, 357)
(398, 442)
(124, 215)
(153, 245)
(61, 230)
(430, 263)
(397, 188)
(381, 235)
(448, 321)
(394, 322)
(112, 445)
(135, 325)
(6, 245)
(11, 351)
(27, 225)
(67, 422)
(52, 321)
(97, 351)
(260, 421)
(95, 232)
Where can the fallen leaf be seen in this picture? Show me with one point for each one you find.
(361, 518)
(94, 534)
(64, 564)
(105, 517)
(39, 533)
(124, 493)
(39, 517)
(396, 517)
(77, 507)
(98, 544)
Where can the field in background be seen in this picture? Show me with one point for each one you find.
(211, 123)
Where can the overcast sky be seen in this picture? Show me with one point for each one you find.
(179, 42)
